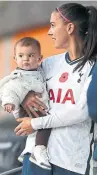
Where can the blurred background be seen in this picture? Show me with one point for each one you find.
(19, 19)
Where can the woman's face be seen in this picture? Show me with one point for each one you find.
(59, 31)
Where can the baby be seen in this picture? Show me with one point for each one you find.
(27, 77)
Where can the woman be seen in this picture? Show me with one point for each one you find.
(73, 28)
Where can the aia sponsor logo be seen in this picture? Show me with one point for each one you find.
(69, 96)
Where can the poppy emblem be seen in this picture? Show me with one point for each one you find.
(64, 77)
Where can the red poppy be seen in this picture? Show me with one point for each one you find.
(64, 77)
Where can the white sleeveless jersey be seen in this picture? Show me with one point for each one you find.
(69, 142)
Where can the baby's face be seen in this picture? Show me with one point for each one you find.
(27, 57)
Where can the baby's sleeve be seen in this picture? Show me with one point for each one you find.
(14, 92)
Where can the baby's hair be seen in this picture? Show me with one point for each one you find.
(28, 41)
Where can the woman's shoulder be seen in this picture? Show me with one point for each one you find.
(53, 57)
(88, 68)
(49, 62)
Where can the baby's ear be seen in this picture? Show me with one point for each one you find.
(14, 57)
(41, 56)
(40, 59)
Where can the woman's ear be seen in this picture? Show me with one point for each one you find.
(70, 28)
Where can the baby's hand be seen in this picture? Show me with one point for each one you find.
(9, 107)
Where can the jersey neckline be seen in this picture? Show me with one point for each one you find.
(71, 62)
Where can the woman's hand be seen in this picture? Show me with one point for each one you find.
(32, 101)
(25, 127)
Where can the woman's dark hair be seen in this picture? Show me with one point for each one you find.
(85, 19)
